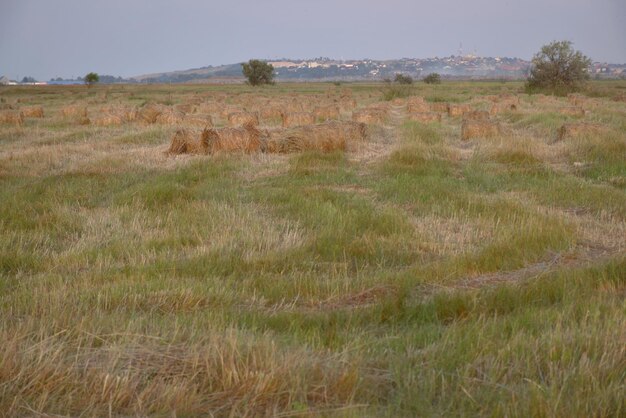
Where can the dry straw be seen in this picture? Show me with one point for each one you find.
(479, 129)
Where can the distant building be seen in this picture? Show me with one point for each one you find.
(4, 81)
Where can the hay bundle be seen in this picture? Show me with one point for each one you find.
(184, 142)
(11, 117)
(326, 112)
(476, 115)
(425, 117)
(439, 107)
(576, 111)
(415, 100)
(227, 110)
(347, 104)
(208, 108)
(479, 129)
(291, 119)
(74, 111)
(325, 137)
(508, 98)
(370, 116)
(271, 112)
(202, 121)
(571, 130)
(246, 139)
(107, 119)
(169, 117)
(398, 102)
(150, 112)
(243, 118)
(185, 108)
(458, 109)
(418, 107)
(620, 98)
(32, 111)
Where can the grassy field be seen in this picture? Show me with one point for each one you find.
(416, 275)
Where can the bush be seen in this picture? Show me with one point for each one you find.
(558, 69)
(258, 72)
(91, 78)
(432, 78)
(403, 79)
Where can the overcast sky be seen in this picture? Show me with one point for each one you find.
(50, 38)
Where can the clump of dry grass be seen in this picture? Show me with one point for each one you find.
(414, 106)
(74, 111)
(325, 137)
(439, 107)
(247, 139)
(479, 129)
(373, 116)
(185, 108)
(502, 107)
(170, 116)
(570, 130)
(425, 117)
(291, 119)
(11, 117)
(458, 109)
(576, 111)
(186, 142)
(326, 112)
(107, 119)
(198, 120)
(32, 111)
(243, 118)
(476, 115)
(150, 112)
(271, 112)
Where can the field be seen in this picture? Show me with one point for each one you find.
(420, 265)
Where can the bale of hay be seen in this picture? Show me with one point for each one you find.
(439, 107)
(225, 111)
(479, 129)
(32, 111)
(185, 108)
(425, 117)
(291, 119)
(268, 113)
(150, 112)
(184, 142)
(571, 130)
(418, 107)
(169, 117)
(476, 115)
(325, 137)
(74, 111)
(107, 119)
(326, 113)
(370, 116)
(12, 117)
(247, 139)
(576, 111)
(243, 118)
(202, 121)
(458, 109)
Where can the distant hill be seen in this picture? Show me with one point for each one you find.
(326, 69)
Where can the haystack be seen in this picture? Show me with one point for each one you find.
(247, 139)
(439, 107)
(326, 113)
(347, 104)
(73, 111)
(325, 137)
(169, 117)
(243, 118)
(185, 142)
(425, 117)
(418, 107)
(479, 129)
(202, 121)
(370, 116)
(32, 111)
(571, 130)
(107, 119)
(12, 117)
(476, 115)
(458, 109)
(270, 113)
(150, 112)
(502, 107)
(291, 119)
(185, 108)
(576, 111)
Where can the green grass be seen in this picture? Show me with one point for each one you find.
(437, 278)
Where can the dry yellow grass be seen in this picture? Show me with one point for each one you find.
(291, 119)
(326, 112)
(570, 130)
(74, 111)
(374, 116)
(32, 111)
(425, 117)
(325, 137)
(10, 117)
(439, 107)
(455, 110)
(576, 111)
(243, 118)
(479, 129)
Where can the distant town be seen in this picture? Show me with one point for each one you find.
(326, 69)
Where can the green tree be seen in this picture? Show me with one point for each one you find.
(91, 78)
(432, 78)
(403, 79)
(258, 72)
(559, 69)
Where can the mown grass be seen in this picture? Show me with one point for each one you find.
(440, 278)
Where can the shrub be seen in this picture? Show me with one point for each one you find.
(258, 72)
(432, 78)
(91, 78)
(403, 79)
(558, 69)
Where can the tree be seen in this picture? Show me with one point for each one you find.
(91, 78)
(432, 78)
(258, 72)
(28, 80)
(403, 79)
(558, 69)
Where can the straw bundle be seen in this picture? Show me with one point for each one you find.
(243, 118)
(370, 116)
(326, 112)
(325, 137)
(425, 117)
(476, 115)
(479, 129)
(576, 111)
(291, 119)
(246, 139)
(74, 111)
(11, 117)
(458, 109)
(571, 130)
(439, 107)
(32, 111)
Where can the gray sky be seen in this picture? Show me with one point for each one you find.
(50, 38)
